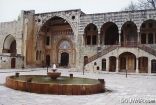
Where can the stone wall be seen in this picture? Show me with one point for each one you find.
(26, 31)
(119, 18)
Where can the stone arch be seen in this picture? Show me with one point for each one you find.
(148, 32)
(127, 62)
(91, 34)
(63, 17)
(53, 31)
(129, 35)
(109, 34)
(9, 44)
(86, 24)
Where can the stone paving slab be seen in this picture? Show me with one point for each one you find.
(120, 90)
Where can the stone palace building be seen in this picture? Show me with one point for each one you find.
(113, 42)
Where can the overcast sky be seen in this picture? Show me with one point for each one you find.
(10, 9)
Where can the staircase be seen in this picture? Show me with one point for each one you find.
(111, 48)
(103, 52)
(147, 49)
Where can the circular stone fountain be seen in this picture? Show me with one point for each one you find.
(54, 75)
(49, 84)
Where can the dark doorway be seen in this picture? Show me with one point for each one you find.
(47, 60)
(85, 60)
(13, 62)
(153, 63)
(103, 64)
(127, 62)
(64, 59)
(112, 64)
(143, 65)
(122, 64)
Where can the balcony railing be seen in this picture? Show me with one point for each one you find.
(129, 44)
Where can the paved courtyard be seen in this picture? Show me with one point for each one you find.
(135, 90)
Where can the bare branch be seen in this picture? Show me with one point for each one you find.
(142, 4)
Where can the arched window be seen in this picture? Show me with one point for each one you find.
(129, 36)
(90, 35)
(109, 34)
(65, 45)
(148, 32)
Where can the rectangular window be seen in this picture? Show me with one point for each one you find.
(143, 38)
(88, 40)
(150, 38)
(47, 40)
(94, 40)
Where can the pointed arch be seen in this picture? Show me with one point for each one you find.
(9, 44)
(57, 26)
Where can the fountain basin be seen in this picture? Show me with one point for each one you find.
(61, 86)
(54, 75)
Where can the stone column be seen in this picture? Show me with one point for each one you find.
(107, 64)
(137, 65)
(98, 39)
(153, 38)
(146, 38)
(149, 66)
(117, 64)
(138, 37)
(119, 37)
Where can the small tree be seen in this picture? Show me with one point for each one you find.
(142, 4)
(153, 3)
(131, 7)
(147, 4)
